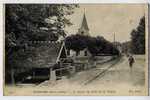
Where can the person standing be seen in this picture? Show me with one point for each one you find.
(131, 61)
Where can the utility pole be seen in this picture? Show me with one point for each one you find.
(114, 43)
(84, 10)
(114, 40)
(114, 37)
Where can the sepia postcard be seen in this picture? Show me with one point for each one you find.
(75, 50)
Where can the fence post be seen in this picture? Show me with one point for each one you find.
(52, 75)
(50, 70)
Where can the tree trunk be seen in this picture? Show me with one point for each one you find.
(68, 52)
(77, 53)
(12, 77)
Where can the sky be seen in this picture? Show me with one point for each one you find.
(108, 19)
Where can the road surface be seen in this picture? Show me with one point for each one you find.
(115, 73)
(121, 74)
(118, 79)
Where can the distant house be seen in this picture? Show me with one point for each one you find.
(83, 53)
(39, 58)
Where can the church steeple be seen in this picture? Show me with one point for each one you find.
(84, 29)
(84, 23)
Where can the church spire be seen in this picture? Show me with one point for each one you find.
(84, 23)
(84, 29)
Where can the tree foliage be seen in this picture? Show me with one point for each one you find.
(126, 47)
(96, 45)
(138, 38)
(35, 22)
(25, 22)
(76, 42)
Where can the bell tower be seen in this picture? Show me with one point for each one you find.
(84, 29)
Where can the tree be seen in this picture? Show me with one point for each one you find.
(26, 22)
(95, 45)
(76, 43)
(126, 47)
(99, 45)
(138, 38)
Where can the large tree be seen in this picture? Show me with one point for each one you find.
(138, 38)
(25, 22)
